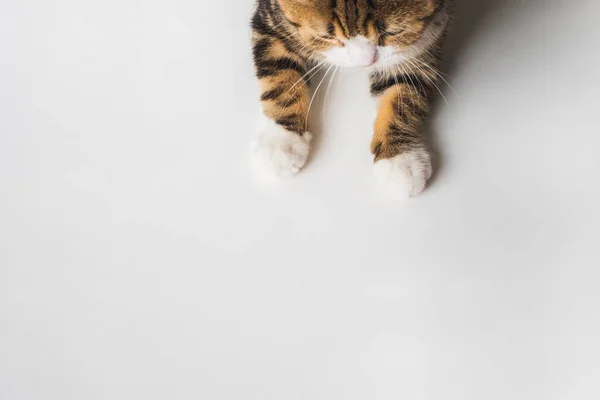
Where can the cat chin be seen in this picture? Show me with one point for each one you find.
(405, 175)
(278, 153)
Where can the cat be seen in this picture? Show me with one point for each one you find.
(398, 40)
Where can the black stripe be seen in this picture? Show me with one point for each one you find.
(347, 14)
(337, 19)
(260, 26)
(377, 150)
(404, 141)
(272, 94)
(271, 67)
(335, 16)
(401, 137)
(260, 48)
(291, 122)
(368, 15)
(288, 119)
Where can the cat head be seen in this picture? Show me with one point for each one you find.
(365, 33)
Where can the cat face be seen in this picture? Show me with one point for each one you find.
(364, 33)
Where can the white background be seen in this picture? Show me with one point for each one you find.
(140, 259)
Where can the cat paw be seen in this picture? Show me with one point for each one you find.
(280, 153)
(406, 174)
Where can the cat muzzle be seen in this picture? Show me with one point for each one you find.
(361, 52)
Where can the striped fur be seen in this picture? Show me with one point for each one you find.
(291, 36)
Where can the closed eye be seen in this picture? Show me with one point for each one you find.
(393, 33)
(381, 28)
(329, 39)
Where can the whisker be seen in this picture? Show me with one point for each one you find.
(432, 82)
(413, 89)
(308, 73)
(436, 73)
(315, 95)
(420, 83)
(314, 71)
(330, 83)
(399, 108)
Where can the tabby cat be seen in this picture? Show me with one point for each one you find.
(398, 40)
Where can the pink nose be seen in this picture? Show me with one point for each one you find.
(362, 52)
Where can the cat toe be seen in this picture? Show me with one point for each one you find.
(280, 153)
(406, 174)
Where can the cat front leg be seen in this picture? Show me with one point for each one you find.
(402, 160)
(283, 144)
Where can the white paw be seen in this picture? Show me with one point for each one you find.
(280, 153)
(406, 174)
